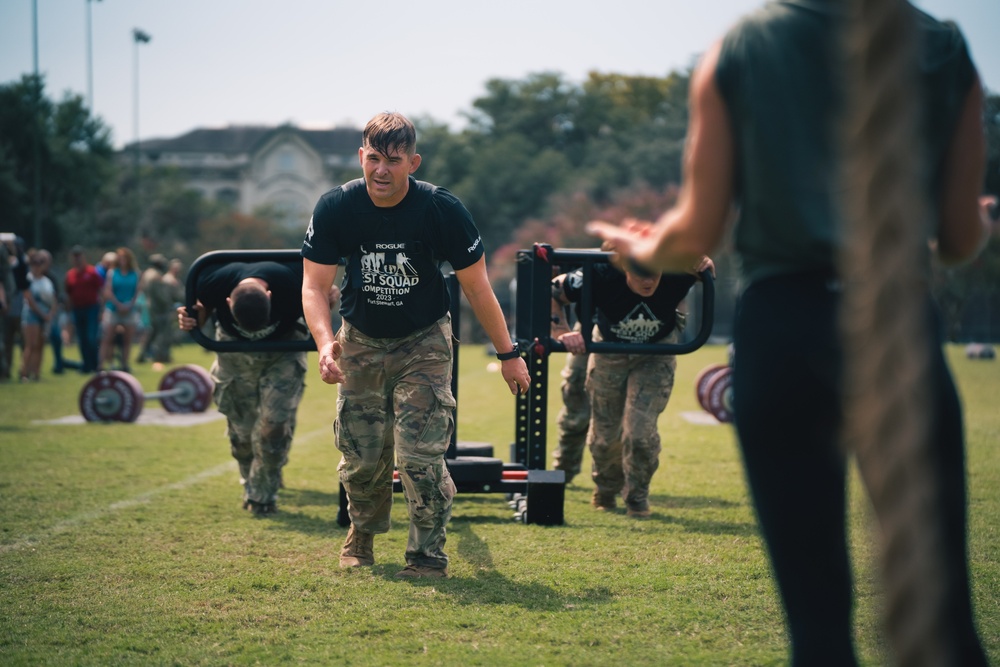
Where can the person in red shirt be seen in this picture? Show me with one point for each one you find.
(83, 291)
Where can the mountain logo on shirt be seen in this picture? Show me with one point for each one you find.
(639, 326)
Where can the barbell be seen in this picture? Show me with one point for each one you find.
(714, 389)
(118, 396)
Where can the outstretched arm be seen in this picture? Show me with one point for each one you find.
(965, 224)
(476, 286)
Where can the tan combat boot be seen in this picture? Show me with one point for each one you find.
(357, 550)
(603, 501)
(422, 572)
(638, 510)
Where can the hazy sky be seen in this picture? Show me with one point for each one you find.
(321, 63)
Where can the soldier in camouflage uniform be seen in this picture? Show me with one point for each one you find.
(628, 392)
(160, 300)
(259, 392)
(574, 416)
(393, 354)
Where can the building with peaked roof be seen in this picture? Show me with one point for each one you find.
(281, 169)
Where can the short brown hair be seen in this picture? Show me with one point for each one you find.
(251, 306)
(388, 132)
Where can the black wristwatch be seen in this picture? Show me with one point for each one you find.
(513, 354)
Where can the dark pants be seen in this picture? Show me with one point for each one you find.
(786, 394)
(88, 335)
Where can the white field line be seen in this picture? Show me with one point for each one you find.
(86, 517)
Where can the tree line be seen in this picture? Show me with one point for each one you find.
(538, 158)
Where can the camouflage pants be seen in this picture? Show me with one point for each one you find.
(259, 393)
(397, 402)
(162, 326)
(628, 392)
(574, 416)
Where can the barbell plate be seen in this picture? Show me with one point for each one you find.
(111, 396)
(702, 381)
(195, 385)
(720, 395)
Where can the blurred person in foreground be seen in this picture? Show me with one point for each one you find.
(393, 353)
(763, 117)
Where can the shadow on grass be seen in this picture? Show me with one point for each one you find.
(309, 497)
(692, 502)
(301, 521)
(489, 587)
(662, 506)
(707, 527)
(665, 510)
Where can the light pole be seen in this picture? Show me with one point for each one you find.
(90, 60)
(138, 37)
(35, 139)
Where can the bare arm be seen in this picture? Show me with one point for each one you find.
(29, 301)
(965, 225)
(317, 283)
(476, 286)
(695, 226)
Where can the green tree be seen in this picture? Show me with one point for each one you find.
(532, 144)
(172, 211)
(67, 149)
(542, 109)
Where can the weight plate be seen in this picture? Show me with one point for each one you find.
(702, 381)
(720, 395)
(194, 386)
(111, 396)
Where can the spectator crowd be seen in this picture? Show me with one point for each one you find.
(84, 317)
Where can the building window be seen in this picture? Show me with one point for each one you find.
(286, 160)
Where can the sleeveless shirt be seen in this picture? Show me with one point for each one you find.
(777, 73)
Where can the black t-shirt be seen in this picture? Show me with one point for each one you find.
(217, 282)
(622, 315)
(393, 284)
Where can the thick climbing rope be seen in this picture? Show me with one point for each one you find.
(884, 324)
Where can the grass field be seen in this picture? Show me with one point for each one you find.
(125, 544)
